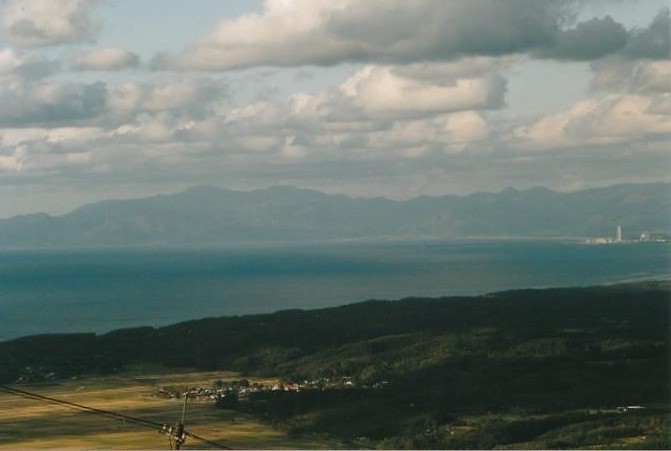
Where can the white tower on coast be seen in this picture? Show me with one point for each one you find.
(618, 235)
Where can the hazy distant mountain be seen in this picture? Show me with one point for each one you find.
(208, 215)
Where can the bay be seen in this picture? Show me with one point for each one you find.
(97, 290)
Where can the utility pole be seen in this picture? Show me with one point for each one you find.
(176, 433)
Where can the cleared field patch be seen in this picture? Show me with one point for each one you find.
(26, 423)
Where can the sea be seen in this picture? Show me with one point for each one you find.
(98, 290)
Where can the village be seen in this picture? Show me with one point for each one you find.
(228, 393)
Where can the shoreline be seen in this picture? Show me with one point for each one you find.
(658, 282)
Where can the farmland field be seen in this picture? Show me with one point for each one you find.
(26, 423)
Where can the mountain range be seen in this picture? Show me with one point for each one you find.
(206, 215)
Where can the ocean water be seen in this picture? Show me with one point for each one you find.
(100, 290)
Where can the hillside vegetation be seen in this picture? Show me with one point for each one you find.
(538, 368)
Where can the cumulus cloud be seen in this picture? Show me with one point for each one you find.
(605, 120)
(631, 102)
(304, 32)
(422, 107)
(587, 41)
(66, 126)
(466, 127)
(25, 65)
(17, 136)
(597, 38)
(331, 124)
(289, 33)
(23, 102)
(409, 111)
(653, 77)
(105, 59)
(14, 161)
(29, 102)
(160, 127)
(653, 41)
(384, 91)
(612, 74)
(192, 96)
(37, 148)
(47, 22)
(443, 133)
(148, 129)
(624, 75)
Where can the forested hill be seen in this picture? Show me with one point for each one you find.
(530, 369)
(354, 339)
(208, 215)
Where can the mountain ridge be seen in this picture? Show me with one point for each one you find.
(204, 215)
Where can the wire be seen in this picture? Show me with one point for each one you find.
(203, 440)
(72, 405)
(106, 413)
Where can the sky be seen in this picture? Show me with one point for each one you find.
(108, 99)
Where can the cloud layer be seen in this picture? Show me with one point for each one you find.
(421, 103)
(46, 22)
(105, 59)
(393, 31)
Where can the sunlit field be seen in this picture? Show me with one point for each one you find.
(26, 423)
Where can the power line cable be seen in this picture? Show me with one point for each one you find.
(107, 413)
(203, 440)
(75, 406)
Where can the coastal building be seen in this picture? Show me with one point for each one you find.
(644, 237)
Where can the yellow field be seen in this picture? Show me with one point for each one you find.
(27, 423)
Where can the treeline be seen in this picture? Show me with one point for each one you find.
(532, 353)
(627, 321)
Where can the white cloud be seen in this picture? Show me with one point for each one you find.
(466, 127)
(384, 91)
(624, 75)
(322, 32)
(10, 61)
(185, 94)
(16, 136)
(279, 35)
(38, 149)
(418, 112)
(25, 65)
(149, 130)
(605, 120)
(13, 162)
(109, 58)
(378, 108)
(48, 22)
(292, 149)
(298, 32)
(445, 133)
(375, 94)
(159, 127)
(653, 77)
(24, 102)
